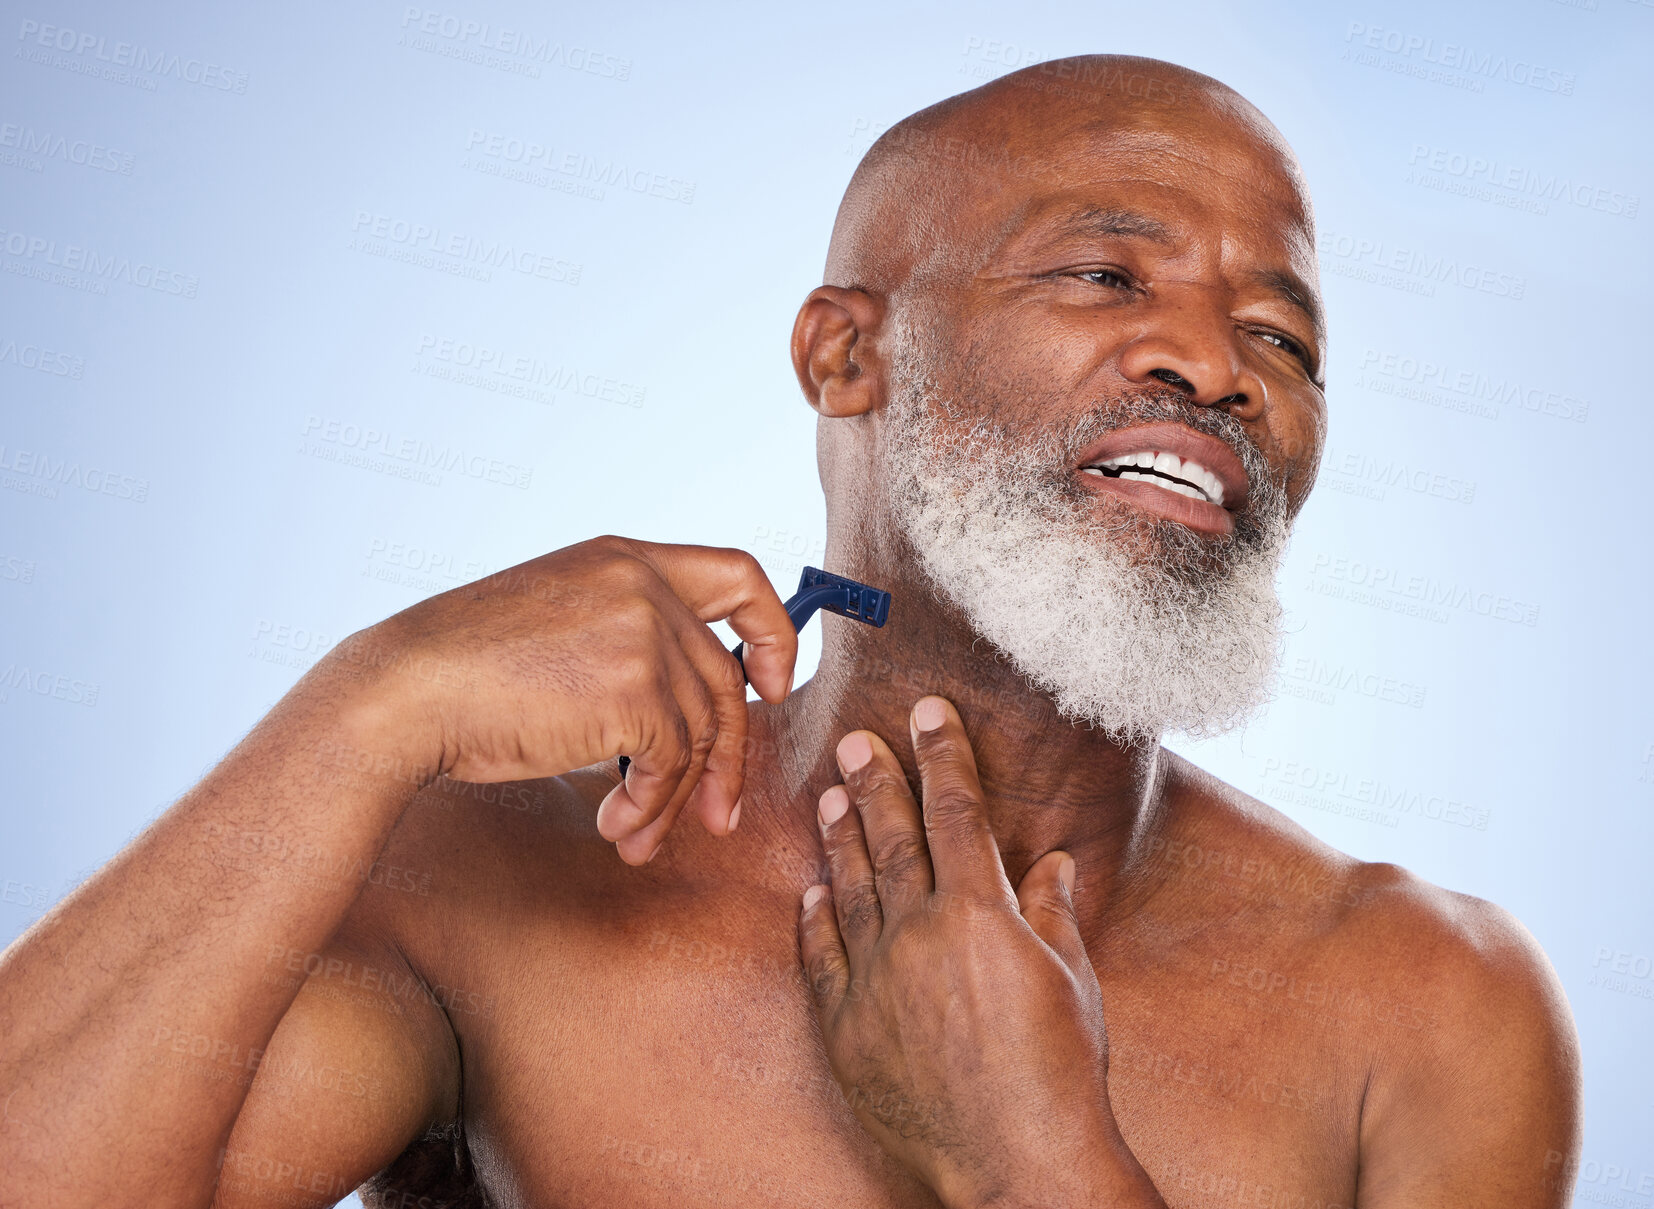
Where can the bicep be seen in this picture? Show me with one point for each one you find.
(1484, 1109)
(362, 1065)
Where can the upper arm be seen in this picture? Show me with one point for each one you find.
(363, 1063)
(1481, 1108)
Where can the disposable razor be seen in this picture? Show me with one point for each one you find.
(817, 590)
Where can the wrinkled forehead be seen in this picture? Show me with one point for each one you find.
(1200, 173)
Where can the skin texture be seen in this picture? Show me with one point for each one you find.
(1046, 968)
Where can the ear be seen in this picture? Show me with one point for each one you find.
(834, 353)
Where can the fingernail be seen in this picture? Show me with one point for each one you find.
(656, 852)
(833, 805)
(814, 895)
(929, 713)
(790, 676)
(1065, 873)
(734, 817)
(854, 751)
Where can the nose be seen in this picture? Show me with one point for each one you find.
(1191, 345)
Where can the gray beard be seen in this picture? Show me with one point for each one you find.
(1138, 626)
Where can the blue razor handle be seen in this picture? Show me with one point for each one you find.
(818, 589)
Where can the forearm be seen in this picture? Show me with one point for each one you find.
(133, 1015)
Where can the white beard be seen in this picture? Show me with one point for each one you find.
(1135, 625)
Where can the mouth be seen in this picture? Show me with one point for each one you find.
(1170, 470)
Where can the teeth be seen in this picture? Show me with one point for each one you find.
(1206, 485)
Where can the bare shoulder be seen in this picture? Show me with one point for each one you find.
(494, 846)
(1380, 914)
(1473, 1085)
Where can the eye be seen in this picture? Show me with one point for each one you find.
(1286, 343)
(1113, 278)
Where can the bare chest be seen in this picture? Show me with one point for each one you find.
(678, 1063)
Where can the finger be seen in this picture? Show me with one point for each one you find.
(860, 918)
(890, 821)
(677, 728)
(825, 964)
(640, 846)
(714, 798)
(962, 847)
(718, 584)
(1045, 897)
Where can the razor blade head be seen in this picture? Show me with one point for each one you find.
(845, 597)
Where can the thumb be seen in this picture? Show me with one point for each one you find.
(1046, 899)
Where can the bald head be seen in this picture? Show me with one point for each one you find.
(1086, 244)
(924, 193)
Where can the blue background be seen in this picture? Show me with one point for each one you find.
(1467, 678)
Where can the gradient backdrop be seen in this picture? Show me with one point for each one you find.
(268, 377)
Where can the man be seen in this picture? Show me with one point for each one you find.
(955, 929)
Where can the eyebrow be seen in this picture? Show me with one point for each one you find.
(1099, 221)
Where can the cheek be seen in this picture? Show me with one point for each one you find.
(1299, 435)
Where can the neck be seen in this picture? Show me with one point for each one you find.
(1048, 783)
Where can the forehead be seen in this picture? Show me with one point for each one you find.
(1201, 179)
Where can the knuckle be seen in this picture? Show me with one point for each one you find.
(824, 975)
(859, 909)
(942, 750)
(877, 784)
(900, 857)
(634, 574)
(725, 675)
(954, 813)
(633, 614)
(620, 559)
(706, 737)
(948, 791)
(634, 670)
(745, 563)
(702, 710)
(676, 749)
